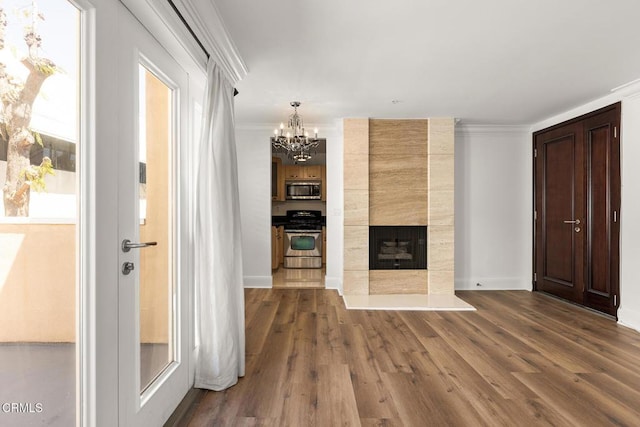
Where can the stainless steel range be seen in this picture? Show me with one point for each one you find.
(303, 239)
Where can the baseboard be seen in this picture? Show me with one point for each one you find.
(629, 318)
(493, 284)
(257, 281)
(333, 283)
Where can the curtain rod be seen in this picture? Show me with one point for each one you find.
(186, 24)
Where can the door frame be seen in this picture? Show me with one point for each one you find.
(615, 238)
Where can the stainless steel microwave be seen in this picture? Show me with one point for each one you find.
(308, 190)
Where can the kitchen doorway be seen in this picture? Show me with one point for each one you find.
(298, 219)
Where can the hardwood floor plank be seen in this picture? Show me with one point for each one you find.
(255, 422)
(392, 339)
(264, 397)
(299, 404)
(424, 401)
(330, 348)
(380, 422)
(560, 391)
(488, 348)
(457, 372)
(614, 389)
(287, 306)
(521, 359)
(491, 369)
(308, 301)
(537, 335)
(257, 328)
(336, 403)
(372, 398)
(301, 361)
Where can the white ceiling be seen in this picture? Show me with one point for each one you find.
(487, 62)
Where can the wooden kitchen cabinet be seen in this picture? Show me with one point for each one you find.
(303, 172)
(274, 250)
(293, 172)
(324, 244)
(323, 176)
(312, 172)
(277, 179)
(280, 244)
(277, 246)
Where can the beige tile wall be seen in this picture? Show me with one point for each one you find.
(397, 282)
(397, 172)
(440, 251)
(356, 207)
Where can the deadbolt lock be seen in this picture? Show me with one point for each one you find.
(577, 229)
(127, 268)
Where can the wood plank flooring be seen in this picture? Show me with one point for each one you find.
(521, 359)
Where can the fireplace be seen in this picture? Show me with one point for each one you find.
(397, 248)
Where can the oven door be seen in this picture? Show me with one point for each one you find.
(302, 243)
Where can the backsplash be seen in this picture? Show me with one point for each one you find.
(281, 208)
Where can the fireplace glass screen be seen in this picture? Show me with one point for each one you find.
(398, 248)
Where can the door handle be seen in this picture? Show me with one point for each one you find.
(127, 245)
(576, 222)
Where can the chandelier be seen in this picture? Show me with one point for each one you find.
(294, 140)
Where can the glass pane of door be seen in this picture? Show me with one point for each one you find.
(155, 209)
(40, 151)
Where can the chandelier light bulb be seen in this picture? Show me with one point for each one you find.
(315, 131)
(281, 126)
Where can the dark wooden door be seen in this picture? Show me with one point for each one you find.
(577, 199)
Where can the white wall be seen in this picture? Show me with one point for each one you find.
(254, 173)
(335, 202)
(493, 205)
(254, 170)
(629, 311)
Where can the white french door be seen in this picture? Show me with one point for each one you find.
(153, 293)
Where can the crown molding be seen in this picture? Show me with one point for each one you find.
(159, 18)
(207, 24)
(628, 90)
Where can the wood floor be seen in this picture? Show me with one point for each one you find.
(521, 359)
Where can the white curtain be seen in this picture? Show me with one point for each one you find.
(218, 252)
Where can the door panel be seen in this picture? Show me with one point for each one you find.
(560, 257)
(577, 178)
(603, 192)
(599, 212)
(153, 294)
(559, 181)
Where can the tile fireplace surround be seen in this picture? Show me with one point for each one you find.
(399, 172)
